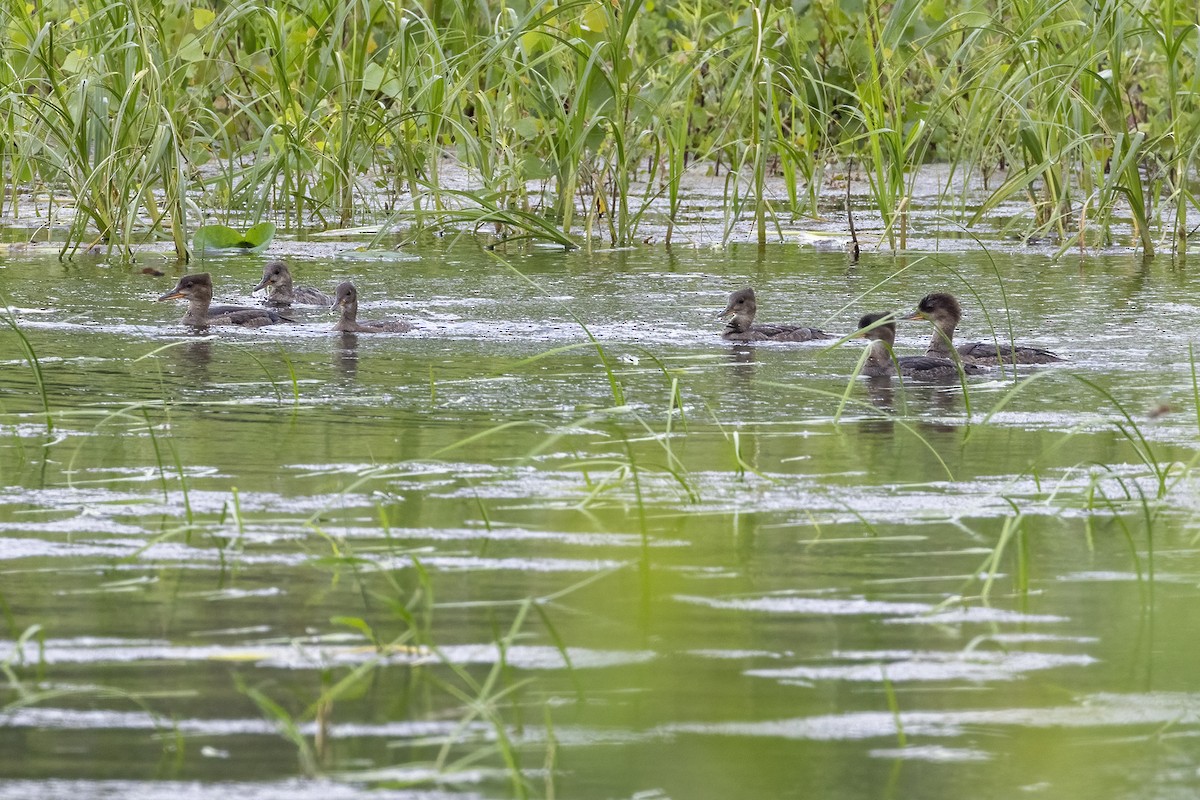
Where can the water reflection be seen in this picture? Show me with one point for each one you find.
(194, 358)
(743, 358)
(881, 392)
(345, 356)
(942, 398)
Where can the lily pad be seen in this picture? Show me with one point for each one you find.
(221, 237)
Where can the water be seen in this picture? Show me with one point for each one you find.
(754, 577)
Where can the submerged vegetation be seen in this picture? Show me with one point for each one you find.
(580, 117)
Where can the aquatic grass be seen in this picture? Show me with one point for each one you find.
(618, 392)
(1129, 428)
(876, 108)
(889, 692)
(550, 764)
(102, 121)
(158, 456)
(291, 368)
(285, 723)
(319, 114)
(7, 613)
(238, 518)
(483, 702)
(1145, 580)
(1195, 384)
(35, 366)
(271, 378)
(1010, 532)
(35, 633)
(514, 224)
(183, 486)
(874, 410)
(1172, 36)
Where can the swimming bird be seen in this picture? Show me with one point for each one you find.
(743, 306)
(347, 301)
(198, 291)
(943, 310)
(921, 368)
(277, 280)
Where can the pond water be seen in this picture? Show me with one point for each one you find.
(473, 561)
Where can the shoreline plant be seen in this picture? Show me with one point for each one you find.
(140, 122)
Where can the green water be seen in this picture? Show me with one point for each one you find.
(711, 573)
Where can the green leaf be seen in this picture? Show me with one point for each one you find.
(190, 50)
(201, 17)
(260, 235)
(221, 237)
(75, 61)
(526, 128)
(373, 76)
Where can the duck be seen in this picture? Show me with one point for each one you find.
(880, 363)
(197, 289)
(943, 310)
(277, 280)
(743, 306)
(347, 301)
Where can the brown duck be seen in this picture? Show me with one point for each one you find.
(945, 313)
(880, 362)
(347, 301)
(277, 280)
(741, 328)
(198, 291)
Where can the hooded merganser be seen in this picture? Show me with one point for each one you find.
(742, 307)
(880, 363)
(347, 301)
(277, 280)
(198, 291)
(945, 313)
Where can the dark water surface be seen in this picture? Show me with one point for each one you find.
(470, 562)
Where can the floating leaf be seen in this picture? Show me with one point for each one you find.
(261, 234)
(221, 237)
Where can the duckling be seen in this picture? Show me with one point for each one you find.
(945, 313)
(743, 306)
(277, 280)
(347, 301)
(198, 291)
(921, 368)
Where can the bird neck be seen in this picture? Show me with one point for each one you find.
(197, 313)
(879, 354)
(941, 343)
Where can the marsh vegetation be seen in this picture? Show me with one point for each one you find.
(576, 121)
(560, 539)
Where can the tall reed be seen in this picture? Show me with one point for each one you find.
(146, 116)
